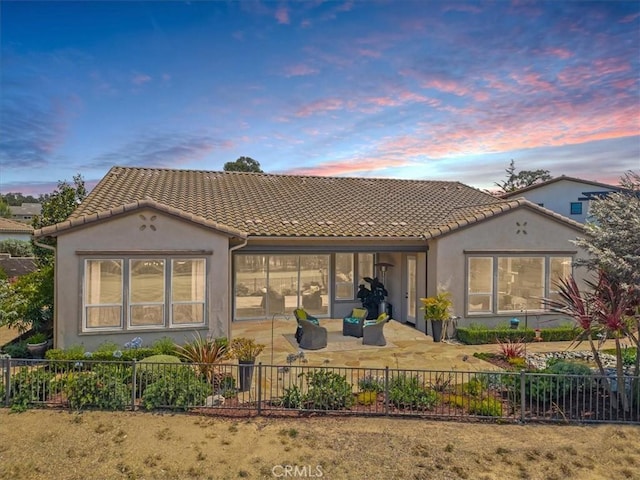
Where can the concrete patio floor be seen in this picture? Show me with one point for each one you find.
(411, 348)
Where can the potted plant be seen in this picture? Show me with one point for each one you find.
(372, 297)
(37, 344)
(246, 350)
(437, 310)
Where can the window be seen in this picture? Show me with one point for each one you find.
(365, 267)
(480, 284)
(576, 208)
(344, 276)
(505, 284)
(103, 294)
(151, 292)
(268, 285)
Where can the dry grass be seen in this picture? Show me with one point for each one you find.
(98, 445)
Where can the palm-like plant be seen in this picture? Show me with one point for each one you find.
(205, 353)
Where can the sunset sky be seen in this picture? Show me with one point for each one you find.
(405, 89)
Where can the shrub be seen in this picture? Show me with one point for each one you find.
(105, 388)
(177, 387)
(512, 349)
(29, 386)
(480, 335)
(567, 377)
(406, 392)
(75, 352)
(367, 398)
(205, 352)
(486, 407)
(164, 346)
(327, 391)
(369, 383)
(16, 350)
(292, 397)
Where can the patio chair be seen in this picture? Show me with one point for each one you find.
(352, 324)
(372, 331)
(309, 334)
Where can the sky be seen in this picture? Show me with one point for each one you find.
(404, 89)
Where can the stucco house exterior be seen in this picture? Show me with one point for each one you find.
(568, 196)
(14, 230)
(161, 252)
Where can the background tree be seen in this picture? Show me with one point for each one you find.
(28, 303)
(16, 199)
(243, 164)
(16, 248)
(613, 232)
(5, 211)
(524, 178)
(56, 208)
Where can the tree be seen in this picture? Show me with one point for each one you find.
(524, 178)
(5, 211)
(243, 164)
(16, 248)
(17, 199)
(613, 232)
(56, 208)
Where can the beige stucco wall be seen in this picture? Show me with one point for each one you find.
(125, 233)
(447, 269)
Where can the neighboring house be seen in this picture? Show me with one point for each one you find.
(567, 196)
(15, 267)
(13, 230)
(26, 212)
(156, 252)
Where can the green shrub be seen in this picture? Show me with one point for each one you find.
(164, 346)
(17, 350)
(176, 387)
(486, 407)
(480, 335)
(75, 352)
(406, 392)
(570, 376)
(367, 398)
(327, 391)
(29, 386)
(369, 383)
(104, 387)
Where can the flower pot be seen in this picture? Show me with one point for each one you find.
(36, 350)
(436, 330)
(245, 374)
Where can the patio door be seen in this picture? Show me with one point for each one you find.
(411, 289)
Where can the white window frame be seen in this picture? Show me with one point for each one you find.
(493, 311)
(131, 304)
(126, 304)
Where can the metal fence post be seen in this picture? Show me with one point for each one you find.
(134, 384)
(523, 376)
(259, 389)
(7, 381)
(386, 390)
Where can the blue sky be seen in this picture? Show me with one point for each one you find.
(404, 89)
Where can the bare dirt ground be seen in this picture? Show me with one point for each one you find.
(61, 445)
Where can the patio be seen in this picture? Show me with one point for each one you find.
(407, 347)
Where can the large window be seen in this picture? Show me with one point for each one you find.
(267, 285)
(345, 273)
(151, 292)
(505, 284)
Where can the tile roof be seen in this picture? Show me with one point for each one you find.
(518, 193)
(26, 209)
(254, 204)
(17, 266)
(13, 226)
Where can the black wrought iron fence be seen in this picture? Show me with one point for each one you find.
(297, 389)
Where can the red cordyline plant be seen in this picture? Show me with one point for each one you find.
(512, 349)
(607, 309)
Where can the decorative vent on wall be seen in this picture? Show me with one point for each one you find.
(148, 222)
(521, 228)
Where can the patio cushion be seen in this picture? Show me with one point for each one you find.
(359, 312)
(368, 323)
(352, 319)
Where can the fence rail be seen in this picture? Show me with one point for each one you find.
(247, 390)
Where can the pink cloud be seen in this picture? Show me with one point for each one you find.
(351, 166)
(140, 79)
(366, 52)
(299, 70)
(320, 106)
(533, 80)
(559, 52)
(282, 15)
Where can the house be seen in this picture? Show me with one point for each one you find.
(15, 267)
(26, 212)
(567, 196)
(13, 230)
(157, 252)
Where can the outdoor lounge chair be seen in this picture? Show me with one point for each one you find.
(372, 333)
(352, 324)
(309, 334)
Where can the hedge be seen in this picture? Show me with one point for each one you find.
(482, 336)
